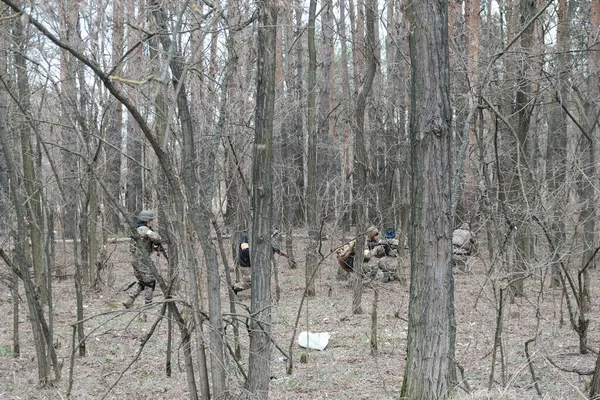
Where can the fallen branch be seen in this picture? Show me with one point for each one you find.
(571, 370)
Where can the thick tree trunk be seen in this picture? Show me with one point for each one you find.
(556, 153)
(431, 309)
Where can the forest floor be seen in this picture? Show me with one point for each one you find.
(345, 369)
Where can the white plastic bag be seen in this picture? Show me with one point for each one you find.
(312, 340)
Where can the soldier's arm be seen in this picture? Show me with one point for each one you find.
(154, 237)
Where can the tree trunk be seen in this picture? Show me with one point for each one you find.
(31, 183)
(595, 383)
(259, 366)
(556, 153)
(20, 267)
(361, 161)
(431, 309)
(589, 148)
(18, 237)
(311, 159)
(115, 127)
(203, 220)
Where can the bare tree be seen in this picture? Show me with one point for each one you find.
(114, 134)
(260, 302)
(311, 159)
(556, 154)
(361, 161)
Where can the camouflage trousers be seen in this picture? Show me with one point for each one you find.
(387, 265)
(146, 287)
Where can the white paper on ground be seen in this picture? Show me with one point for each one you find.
(313, 340)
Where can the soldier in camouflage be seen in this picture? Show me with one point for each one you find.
(243, 258)
(464, 244)
(141, 251)
(379, 255)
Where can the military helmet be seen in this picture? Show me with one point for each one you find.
(146, 215)
(371, 232)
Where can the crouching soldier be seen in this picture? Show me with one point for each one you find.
(463, 245)
(148, 241)
(243, 259)
(374, 258)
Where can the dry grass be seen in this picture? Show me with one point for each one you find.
(344, 370)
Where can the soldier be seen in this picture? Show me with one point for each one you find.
(243, 261)
(243, 258)
(141, 251)
(463, 240)
(464, 244)
(377, 255)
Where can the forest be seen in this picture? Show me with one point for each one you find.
(318, 120)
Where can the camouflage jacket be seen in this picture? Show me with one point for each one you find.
(380, 249)
(148, 239)
(463, 242)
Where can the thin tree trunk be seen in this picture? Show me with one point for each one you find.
(344, 196)
(556, 154)
(311, 159)
(30, 179)
(589, 180)
(361, 161)
(18, 238)
(259, 365)
(20, 267)
(201, 224)
(115, 127)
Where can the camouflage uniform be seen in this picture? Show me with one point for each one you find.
(463, 241)
(147, 244)
(379, 254)
(463, 245)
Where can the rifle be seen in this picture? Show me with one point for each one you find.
(160, 249)
(383, 243)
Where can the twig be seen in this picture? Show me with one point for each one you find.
(463, 379)
(530, 363)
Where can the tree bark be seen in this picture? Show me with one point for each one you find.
(589, 144)
(259, 365)
(556, 153)
(431, 309)
(114, 136)
(311, 159)
(202, 224)
(361, 161)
